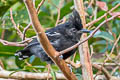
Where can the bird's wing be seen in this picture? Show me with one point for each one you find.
(52, 36)
(55, 39)
(59, 41)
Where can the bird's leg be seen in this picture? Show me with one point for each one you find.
(61, 56)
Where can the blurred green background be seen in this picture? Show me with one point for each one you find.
(101, 43)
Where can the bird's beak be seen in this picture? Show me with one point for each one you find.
(84, 31)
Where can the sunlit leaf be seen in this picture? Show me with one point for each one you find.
(115, 13)
(105, 35)
(102, 5)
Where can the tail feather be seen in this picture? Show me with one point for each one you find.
(23, 54)
(75, 20)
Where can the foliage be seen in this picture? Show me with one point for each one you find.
(102, 43)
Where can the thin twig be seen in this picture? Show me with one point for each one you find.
(15, 26)
(74, 56)
(113, 48)
(108, 56)
(78, 65)
(58, 9)
(106, 73)
(90, 3)
(49, 70)
(38, 8)
(3, 31)
(92, 22)
(27, 40)
(113, 71)
(7, 43)
(25, 29)
(58, 17)
(97, 66)
(97, 73)
(30, 65)
(1, 65)
(19, 44)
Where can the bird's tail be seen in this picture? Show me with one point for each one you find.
(23, 54)
(75, 20)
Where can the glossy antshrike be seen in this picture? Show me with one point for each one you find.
(61, 37)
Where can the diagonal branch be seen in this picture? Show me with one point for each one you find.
(92, 22)
(94, 31)
(25, 30)
(42, 38)
(41, 3)
(27, 27)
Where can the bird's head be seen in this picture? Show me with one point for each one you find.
(76, 27)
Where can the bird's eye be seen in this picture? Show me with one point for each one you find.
(73, 30)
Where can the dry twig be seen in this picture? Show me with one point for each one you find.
(94, 21)
(103, 70)
(25, 29)
(15, 26)
(7, 43)
(58, 10)
(112, 49)
(3, 31)
(38, 8)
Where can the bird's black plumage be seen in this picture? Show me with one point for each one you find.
(61, 37)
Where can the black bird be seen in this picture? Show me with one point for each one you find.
(61, 37)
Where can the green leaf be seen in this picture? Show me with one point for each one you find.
(8, 50)
(5, 6)
(101, 42)
(66, 9)
(19, 63)
(53, 74)
(90, 11)
(36, 61)
(105, 35)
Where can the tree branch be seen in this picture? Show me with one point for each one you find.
(92, 22)
(94, 31)
(15, 26)
(41, 3)
(28, 75)
(7, 43)
(48, 48)
(25, 30)
(84, 49)
(27, 27)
